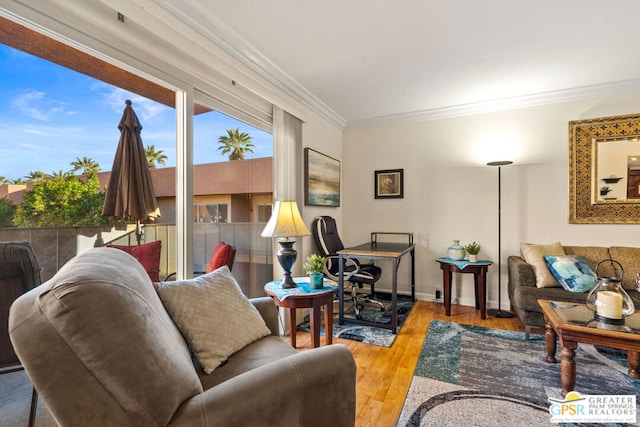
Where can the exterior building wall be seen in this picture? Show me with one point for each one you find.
(229, 182)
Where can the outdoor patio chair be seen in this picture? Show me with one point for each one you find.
(223, 254)
(19, 273)
(148, 254)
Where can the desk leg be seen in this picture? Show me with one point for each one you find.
(413, 274)
(341, 290)
(328, 321)
(446, 279)
(394, 298)
(482, 293)
(292, 326)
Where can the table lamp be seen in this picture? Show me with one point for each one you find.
(286, 222)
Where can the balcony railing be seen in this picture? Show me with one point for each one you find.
(252, 266)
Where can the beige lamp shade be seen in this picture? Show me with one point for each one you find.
(285, 221)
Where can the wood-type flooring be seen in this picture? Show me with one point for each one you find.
(384, 374)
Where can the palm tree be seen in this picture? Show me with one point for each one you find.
(3, 180)
(235, 143)
(154, 156)
(36, 176)
(16, 181)
(59, 174)
(87, 165)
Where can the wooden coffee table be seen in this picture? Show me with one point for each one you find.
(572, 323)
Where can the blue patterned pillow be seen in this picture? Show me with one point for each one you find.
(572, 272)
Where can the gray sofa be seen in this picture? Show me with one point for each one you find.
(524, 294)
(101, 350)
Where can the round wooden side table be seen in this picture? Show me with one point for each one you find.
(305, 297)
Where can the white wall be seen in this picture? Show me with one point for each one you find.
(325, 138)
(450, 193)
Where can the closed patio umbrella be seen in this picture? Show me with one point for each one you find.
(130, 193)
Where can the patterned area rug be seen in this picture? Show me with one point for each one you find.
(475, 376)
(371, 312)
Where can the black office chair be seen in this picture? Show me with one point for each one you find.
(325, 234)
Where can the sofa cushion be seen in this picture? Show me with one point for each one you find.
(572, 272)
(526, 297)
(630, 260)
(533, 254)
(254, 355)
(591, 254)
(214, 316)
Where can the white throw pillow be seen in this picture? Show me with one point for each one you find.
(534, 255)
(213, 314)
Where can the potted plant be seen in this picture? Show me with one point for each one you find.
(314, 266)
(473, 249)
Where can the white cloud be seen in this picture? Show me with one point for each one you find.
(115, 98)
(36, 105)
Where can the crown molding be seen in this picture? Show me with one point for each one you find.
(226, 38)
(532, 100)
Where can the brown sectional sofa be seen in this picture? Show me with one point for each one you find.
(524, 294)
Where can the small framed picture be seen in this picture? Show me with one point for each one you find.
(389, 184)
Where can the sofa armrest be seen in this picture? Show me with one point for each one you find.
(310, 388)
(520, 274)
(269, 312)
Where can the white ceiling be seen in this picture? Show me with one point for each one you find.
(376, 60)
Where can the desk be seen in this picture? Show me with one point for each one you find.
(479, 271)
(375, 250)
(305, 297)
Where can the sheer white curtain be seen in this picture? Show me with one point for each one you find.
(287, 156)
(287, 182)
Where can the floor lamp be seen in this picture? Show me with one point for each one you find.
(499, 312)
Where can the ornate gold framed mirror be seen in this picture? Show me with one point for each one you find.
(604, 170)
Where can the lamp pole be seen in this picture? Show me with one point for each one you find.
(498, 312)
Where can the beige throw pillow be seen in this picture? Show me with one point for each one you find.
(534, 255)
(213, 314)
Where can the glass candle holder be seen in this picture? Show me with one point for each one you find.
(608, 300)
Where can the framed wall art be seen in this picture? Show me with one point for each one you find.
(389, 184)
(603, 187)
(321, 179)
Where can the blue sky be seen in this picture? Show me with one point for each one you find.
(50, 115)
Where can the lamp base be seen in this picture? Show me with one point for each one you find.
(496, 312)
(287, 256)
(287, 282)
